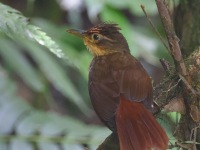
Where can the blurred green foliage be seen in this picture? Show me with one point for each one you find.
(52, 66)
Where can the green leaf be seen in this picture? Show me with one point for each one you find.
(99, 134)
(48, 124)
(16, 60)
(56, 125)
(10, 114)
(20, 145)
(7, 88)
(48, 146)
(72, 147)
(3, 145)
(169, 126)
(15, 25)
(174, 116)
(55, 73)
(32, 123)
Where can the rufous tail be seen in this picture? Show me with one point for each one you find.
(137, 128)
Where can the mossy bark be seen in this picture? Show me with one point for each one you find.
(187, 25)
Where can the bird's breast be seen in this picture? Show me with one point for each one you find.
(103, 91)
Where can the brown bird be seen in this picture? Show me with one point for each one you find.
(121, 90)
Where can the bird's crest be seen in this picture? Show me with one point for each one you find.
(104, 28)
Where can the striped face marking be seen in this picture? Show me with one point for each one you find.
(96, 36)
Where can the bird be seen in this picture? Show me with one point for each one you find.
(120, 89)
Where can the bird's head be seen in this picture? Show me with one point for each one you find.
(102, 39)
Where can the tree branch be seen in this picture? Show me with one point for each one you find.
(172, 38)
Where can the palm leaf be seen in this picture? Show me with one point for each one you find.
(23, 127)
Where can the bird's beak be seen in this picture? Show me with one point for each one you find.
(79, 33)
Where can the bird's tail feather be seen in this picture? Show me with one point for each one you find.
(137, 128)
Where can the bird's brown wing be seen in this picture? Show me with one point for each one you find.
(136, 127)
(133, 81)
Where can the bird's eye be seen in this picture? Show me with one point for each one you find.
(95, 37)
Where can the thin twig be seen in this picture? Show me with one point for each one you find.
(189, 87)
(154, 28)
(184, 146)
(165, 64)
